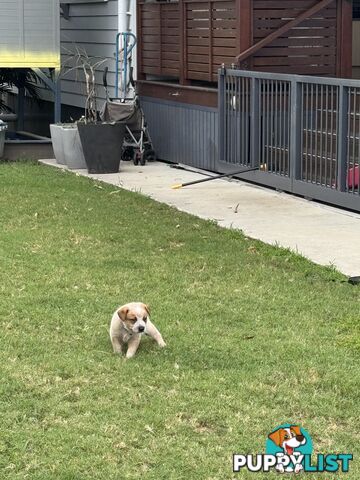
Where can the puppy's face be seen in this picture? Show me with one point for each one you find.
(134, 316)
(288, 438)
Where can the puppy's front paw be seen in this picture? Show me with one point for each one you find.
(117, 351)
(161, 343)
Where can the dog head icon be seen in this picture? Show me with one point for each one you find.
(288, 438)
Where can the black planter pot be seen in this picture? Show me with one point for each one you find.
(102, 146)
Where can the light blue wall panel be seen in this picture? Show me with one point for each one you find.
(183, 133)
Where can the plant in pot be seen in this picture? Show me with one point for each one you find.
(101, 141)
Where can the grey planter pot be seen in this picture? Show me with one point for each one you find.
(57, 142)
(102, 145)
(73, 152)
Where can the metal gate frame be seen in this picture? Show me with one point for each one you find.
(299, 110)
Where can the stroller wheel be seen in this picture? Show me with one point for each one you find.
(128, 154)
(142, 159)
(149, 155)
(137, 158)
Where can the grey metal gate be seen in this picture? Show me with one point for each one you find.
(303, 133)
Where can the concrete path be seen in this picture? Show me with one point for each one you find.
(325, 235)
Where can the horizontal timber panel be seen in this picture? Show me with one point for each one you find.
(320, 60)
(228, 52)
(274, 4)
(313, 22)
(326, 70)
(270, 52)
(304, 42)
(190, 95)
(216, 42)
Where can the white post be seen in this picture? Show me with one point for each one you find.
(123, 14)
(132, 10)
(127, 23)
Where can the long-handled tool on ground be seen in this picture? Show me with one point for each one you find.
(222, 175)
(354, 280)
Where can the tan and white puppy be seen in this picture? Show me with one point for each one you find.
(128, 324)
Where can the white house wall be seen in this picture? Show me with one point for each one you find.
(29, 33)
(93, 27)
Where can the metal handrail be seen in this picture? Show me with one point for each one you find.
(127, 50)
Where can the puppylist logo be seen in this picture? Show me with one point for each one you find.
(289, 449)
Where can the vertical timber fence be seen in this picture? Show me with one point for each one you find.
(302, 132)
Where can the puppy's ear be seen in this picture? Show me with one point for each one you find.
(276, 437)
(122, 312)
(296, 429)
(147, 308)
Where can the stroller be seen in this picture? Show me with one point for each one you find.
(137, 144)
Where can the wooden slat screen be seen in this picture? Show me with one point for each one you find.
(211, 38)
(160, 39)
(307, 49)
(190, 39)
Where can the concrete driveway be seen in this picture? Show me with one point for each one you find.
(325, 235)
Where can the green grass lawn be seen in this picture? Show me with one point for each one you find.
(256, 336)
